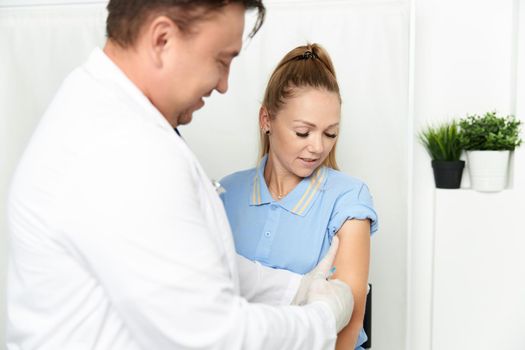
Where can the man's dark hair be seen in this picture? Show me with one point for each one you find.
(126, 17)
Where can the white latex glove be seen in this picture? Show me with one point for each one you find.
(335, 293)
(338, 295)
(321, 271)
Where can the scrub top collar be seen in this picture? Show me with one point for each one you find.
(299, 200)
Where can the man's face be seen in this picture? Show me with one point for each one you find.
(196, 63)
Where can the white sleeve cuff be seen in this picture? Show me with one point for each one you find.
(292, 288)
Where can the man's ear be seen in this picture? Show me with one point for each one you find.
(161, 35)
(264, 118)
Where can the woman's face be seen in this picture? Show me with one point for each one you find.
(304, 131)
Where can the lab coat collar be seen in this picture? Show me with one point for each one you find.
(102, 68)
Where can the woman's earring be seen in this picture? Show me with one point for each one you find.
(268, 132)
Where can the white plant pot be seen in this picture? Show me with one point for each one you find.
(488, 170)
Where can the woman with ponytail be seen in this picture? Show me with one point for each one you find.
(285, 212)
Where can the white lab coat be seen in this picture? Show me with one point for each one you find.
(118, 240)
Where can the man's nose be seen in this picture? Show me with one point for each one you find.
(222, 85)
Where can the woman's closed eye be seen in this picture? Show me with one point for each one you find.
(306, 134)
(302, 134)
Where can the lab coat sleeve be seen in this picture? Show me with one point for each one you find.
(261, 284)
(133, 216)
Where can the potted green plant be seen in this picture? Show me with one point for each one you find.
(488, 141)
(443, 144)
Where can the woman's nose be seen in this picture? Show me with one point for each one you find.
(316, 145)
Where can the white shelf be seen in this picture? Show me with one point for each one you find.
(478, 264)
(478, 200)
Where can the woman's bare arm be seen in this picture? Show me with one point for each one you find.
(352, 264)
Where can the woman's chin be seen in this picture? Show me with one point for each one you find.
(303, 172)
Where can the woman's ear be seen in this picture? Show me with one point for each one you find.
(264, 119)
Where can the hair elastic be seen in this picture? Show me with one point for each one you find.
(307, 55)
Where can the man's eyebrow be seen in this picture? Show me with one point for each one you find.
(230, 54)
(313, 125)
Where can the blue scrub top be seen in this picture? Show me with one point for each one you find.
(295, 232)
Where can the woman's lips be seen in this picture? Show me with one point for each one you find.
(309, 162)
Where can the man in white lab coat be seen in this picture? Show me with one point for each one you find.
(118, 239)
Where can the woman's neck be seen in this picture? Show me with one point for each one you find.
(280, 181)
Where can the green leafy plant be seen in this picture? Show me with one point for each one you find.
(442, 142)
(490, 132)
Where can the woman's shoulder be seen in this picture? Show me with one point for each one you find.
(341, 182)
(352, 199)
(238, 178)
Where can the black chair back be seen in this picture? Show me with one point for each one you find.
(367, 322)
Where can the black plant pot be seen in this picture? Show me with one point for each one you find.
(447, 173)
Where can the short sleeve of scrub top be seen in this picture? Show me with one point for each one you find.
(354, 204)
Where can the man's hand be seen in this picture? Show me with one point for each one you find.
(315, 287)
(321, 271)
